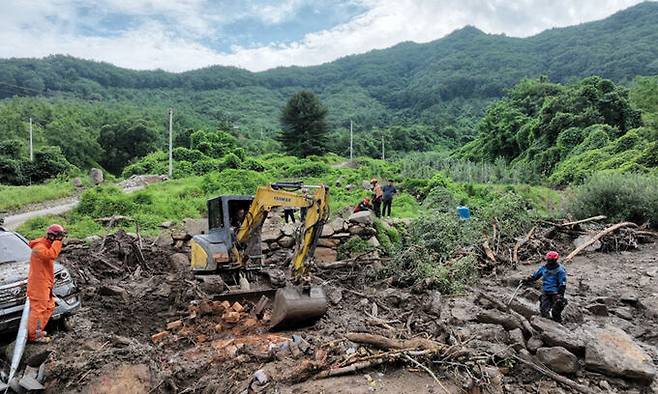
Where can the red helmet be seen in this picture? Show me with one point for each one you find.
(552, 255)
(56, 230)
(366, 200)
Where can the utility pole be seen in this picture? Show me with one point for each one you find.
(171, 165)
(351, 140)
(383, 156)
(31, 149)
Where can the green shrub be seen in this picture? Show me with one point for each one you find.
(353, 246)
(388, 237)
(443, 233)
(511, 213)
(620, 197)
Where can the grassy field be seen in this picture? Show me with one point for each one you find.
(15, 197)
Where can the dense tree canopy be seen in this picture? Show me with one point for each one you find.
(304, 125)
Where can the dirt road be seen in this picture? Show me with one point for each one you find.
(54, 208)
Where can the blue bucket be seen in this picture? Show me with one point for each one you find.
(464, 213)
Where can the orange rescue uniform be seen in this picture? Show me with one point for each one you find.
(40, 282)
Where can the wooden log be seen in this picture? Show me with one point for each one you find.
(522, 242)
(592, 219)
(383, 342)
(596, 238)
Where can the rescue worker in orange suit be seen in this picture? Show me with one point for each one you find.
(40, 281)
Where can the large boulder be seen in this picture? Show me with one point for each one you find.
(96, 176)
(613, 352)
(327, 231)
(524, 307)
(558, 359)
(287, 242)
(195, 226)
(494, 316)
(325, 255)
(555, 334)
(363, 217)
(288, 229)
(270, 235)
(339, 225)
(584, 239)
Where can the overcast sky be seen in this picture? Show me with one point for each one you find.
(179, 35)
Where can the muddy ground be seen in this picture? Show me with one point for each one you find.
(121, 343)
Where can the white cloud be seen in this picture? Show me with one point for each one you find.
(29, 29)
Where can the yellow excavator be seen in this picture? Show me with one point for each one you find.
(231, 250)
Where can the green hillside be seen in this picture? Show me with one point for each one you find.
(419, 97)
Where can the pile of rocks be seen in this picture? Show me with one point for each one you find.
(573, 350)
(277, 239)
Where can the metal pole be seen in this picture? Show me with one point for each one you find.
(171, 166)
(31, 148)
(351, 140)
(383, 156)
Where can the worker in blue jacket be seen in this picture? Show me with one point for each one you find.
(554, 278)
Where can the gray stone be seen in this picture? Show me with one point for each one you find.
(625, 313)
(363, 217)
(288, 229)
(286, 242)
(495, 316)
(393, 297)
(555, 334)
(362, 231)
(374, 242)
(325, 255)
(516, 339)
(164, 239)
(586, 238)
(491, 333)
(328, 242)
(558, 359)
(339, 225)
(92, 238)
(327, 231)
(433, 303)
(96, 176)
(614, 353)
(366, 185)
(524, 307)
(597, 309)
(651, 306)
(195, 226)
(270, 235)
(534, 343)
(167, 224)
(113, 291)
(77, 182)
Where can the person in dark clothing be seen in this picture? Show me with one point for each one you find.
(363, 206)
(377, 195)
(302, 210)
(554, 277)
(289, 212)
(387, 199)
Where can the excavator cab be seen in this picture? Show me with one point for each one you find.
(211, 252)
(231, 250)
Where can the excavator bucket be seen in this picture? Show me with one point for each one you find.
(294, 307)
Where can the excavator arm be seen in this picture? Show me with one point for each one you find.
(284, 195)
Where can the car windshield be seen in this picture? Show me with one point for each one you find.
(13, 248)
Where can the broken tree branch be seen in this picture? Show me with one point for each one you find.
(597, 237)
(592, 219)
(383, 342)
(522, 242)
(557, 377)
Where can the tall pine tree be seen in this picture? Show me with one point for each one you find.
(304, 125)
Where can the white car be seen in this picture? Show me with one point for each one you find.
(14, 265)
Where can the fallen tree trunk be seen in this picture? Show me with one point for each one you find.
(555, 376)
(383, 342)
(596, 238)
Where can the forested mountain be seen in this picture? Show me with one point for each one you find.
(423, 96)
